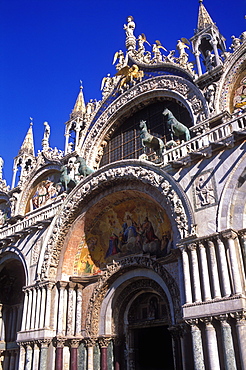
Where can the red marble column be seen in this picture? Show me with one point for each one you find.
(103, 343)
(104, 359)
(74, 344)
(59, 354)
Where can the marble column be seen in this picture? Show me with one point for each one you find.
(59, 353)
(186, 271)
(74, 345)
(90, 343)
(34, 306)
(29, 355)
(37, 317)
(78, 319)
(198, 63)
(60, 327)
(22, 356)
(227, 343)
(24, 315)
(212, 346)
(49, 287)
(197, 345)
(44, 346)
(103, 343)
(195, 273)
(230, 237)
(36, 354)
(241, 335)
(214, 270)
(71, 309)
(243, 242)
(204, 273)
(225, 280)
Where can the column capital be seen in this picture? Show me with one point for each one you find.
(229, 234)
(62, 284)
(201, 245)
(44, 343)
(104, 341)
(207, 320)
(192, 246)
(74, 343)
(240, 317)
(90, 341)
(192, 322)
(59, 342)
(210, 243)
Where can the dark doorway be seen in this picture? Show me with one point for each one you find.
(153, 349)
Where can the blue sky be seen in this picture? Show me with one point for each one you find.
(48, 46)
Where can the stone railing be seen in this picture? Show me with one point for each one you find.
(204, 140)
(32, 218)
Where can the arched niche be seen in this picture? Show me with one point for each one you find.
(139, 180)
(125, 141)
(176, 88)
(232, 206)
(39, 190)
(234, 67)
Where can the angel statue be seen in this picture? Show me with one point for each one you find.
(121, 59)
(182, 44)
(107, 83)
(130, 26)
(156, 51)
(141, 40)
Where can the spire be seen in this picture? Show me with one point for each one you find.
(79, 107)
(204, 19)
(28, 143)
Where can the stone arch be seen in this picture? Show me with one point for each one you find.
(130, 174)
(234, 66)
(232, 207)
(118, 278)
(175, 87)
(30, 183)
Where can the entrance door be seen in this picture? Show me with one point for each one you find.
(153, 348)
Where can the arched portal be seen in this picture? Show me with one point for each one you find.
(12, 280)
(139, 310)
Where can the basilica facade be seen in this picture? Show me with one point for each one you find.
(127, 250)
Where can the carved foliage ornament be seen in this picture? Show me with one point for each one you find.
(98, 182)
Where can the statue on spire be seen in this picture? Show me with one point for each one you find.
(45, 141)
(130, 38)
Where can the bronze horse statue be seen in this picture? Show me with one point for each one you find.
(176, 127)
(150, 141)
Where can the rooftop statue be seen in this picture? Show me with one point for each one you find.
(130, 75)
(121, 59)
(130, 26)
(236, 42)
(45, 141)
(150, 141)
(177, 128)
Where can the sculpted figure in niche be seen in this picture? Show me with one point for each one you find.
(210, 96)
